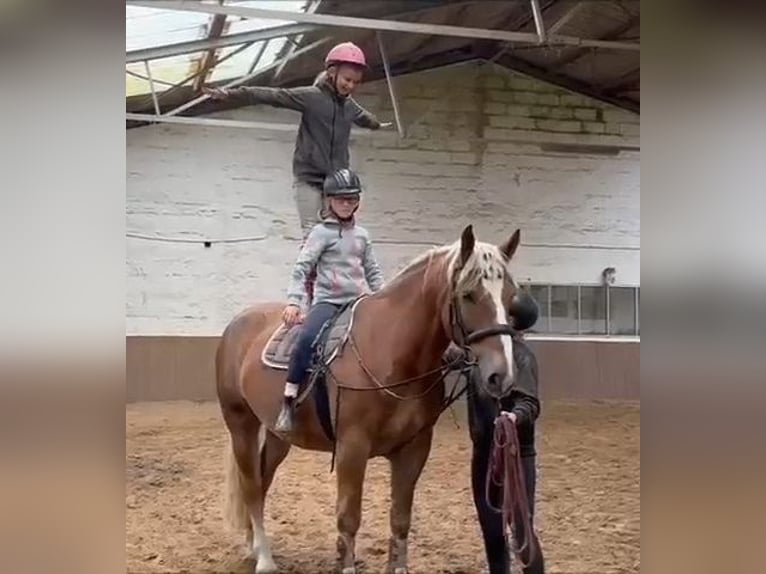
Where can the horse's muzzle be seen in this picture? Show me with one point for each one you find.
(494, 378)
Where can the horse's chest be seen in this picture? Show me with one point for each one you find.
(391, 427)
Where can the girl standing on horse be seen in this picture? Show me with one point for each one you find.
(341, 253)
(327, 114)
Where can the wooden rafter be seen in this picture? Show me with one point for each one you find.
(207, 62)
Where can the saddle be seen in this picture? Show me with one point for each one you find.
(327, 347)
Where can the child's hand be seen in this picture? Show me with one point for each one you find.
(216, 94)
(292, 315)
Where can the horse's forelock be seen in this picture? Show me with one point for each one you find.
(485, 262)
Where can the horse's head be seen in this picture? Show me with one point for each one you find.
(487, 307)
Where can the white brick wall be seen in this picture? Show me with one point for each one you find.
(468, 160)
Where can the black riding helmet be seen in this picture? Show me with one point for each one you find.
(342, 182)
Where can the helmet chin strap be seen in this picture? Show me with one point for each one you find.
(334, 78)
(332, 74)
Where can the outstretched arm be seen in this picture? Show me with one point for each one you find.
(290, 98)
(362, 117)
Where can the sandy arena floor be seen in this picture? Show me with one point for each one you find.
(588, 497)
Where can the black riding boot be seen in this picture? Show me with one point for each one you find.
(537, 564)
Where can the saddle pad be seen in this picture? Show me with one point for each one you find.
(276, 354)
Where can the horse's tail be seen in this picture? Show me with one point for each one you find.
(235, 509)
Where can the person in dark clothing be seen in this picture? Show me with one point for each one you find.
(327, 114)
(524, 407)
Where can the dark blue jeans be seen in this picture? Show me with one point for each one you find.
(300, 361)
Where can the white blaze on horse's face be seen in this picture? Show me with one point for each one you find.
(485, 290)
(494, 286)
(494, 279)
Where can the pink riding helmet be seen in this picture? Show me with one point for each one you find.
(346, 53)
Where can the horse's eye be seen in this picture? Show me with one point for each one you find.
(469, 297)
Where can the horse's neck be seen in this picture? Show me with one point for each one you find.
(413, 309)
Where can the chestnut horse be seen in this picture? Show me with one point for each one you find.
(386, 391)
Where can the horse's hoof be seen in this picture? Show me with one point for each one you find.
(349, 570)
(265, 567)
(401, 570)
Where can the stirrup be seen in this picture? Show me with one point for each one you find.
(285, 418)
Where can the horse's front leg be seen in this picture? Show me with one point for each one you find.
(351, 463)
(406, 466)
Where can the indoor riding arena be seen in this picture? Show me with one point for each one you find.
(503, 115)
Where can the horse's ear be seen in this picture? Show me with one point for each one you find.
(508, 248)
(467, 243)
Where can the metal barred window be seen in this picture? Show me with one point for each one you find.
(587, 310)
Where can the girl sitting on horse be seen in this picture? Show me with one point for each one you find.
(327, 114)
(341, 253)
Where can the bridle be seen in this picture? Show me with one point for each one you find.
(464, 338)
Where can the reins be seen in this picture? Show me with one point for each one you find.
(442, 370)
(505, 472)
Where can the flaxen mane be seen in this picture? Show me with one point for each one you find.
(485, 262)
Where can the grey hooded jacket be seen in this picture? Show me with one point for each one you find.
(323, 136)
(344, 261)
